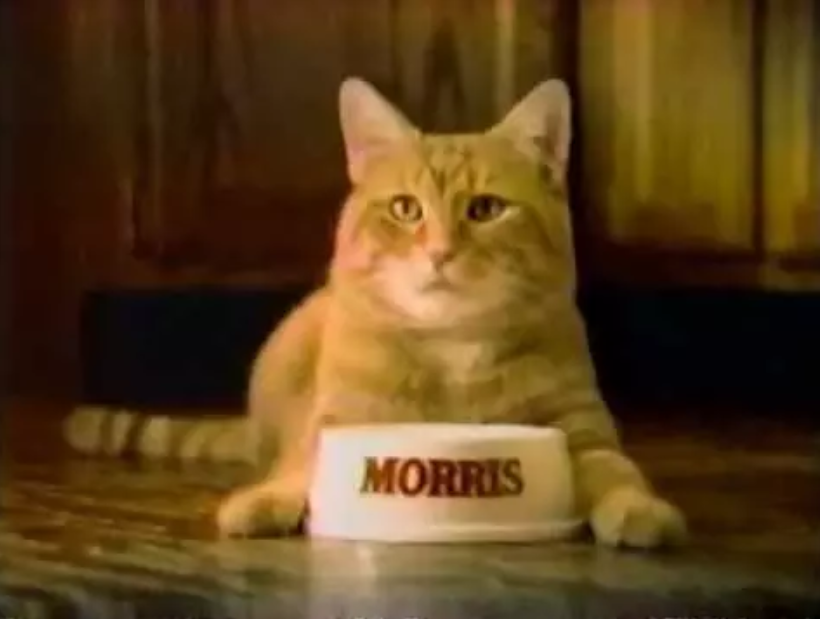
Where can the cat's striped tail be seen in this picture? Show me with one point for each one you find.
(93, 430)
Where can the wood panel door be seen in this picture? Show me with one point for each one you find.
(668, 91)
(195, 143)
(791, 131)
(213, 128)
(216, 126)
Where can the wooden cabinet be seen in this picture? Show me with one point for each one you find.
(669, 118)
(212, 131)
(195, 143)
(791, 129)
(701, 147)
(215, 126)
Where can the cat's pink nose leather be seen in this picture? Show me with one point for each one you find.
(441, 256)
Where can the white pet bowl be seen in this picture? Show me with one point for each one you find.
(428, 482)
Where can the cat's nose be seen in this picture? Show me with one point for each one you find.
(440, 256)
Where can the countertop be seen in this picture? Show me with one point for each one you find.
(83, 536)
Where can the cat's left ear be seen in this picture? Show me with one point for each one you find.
(540, 125)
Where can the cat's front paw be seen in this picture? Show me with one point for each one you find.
(261, 510)
(635, 518)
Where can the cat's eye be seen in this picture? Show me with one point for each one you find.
(406, 209)
(485, 207)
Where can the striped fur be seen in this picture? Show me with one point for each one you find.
(93, 431)
(450, 297)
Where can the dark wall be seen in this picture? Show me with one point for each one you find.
(671, 347)
(6, 128)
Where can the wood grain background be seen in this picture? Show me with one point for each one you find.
(169, 145)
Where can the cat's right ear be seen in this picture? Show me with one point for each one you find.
(370, 125)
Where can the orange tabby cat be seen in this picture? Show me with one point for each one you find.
(450, 297)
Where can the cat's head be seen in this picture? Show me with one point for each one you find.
(444, 228)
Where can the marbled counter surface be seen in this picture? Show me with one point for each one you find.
(95, 537)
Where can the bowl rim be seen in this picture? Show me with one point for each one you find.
(442, 431)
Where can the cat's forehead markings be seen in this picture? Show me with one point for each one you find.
(449, 160)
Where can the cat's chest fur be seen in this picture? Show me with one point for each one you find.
(482, 380)
(458, 362)
(381, 376)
